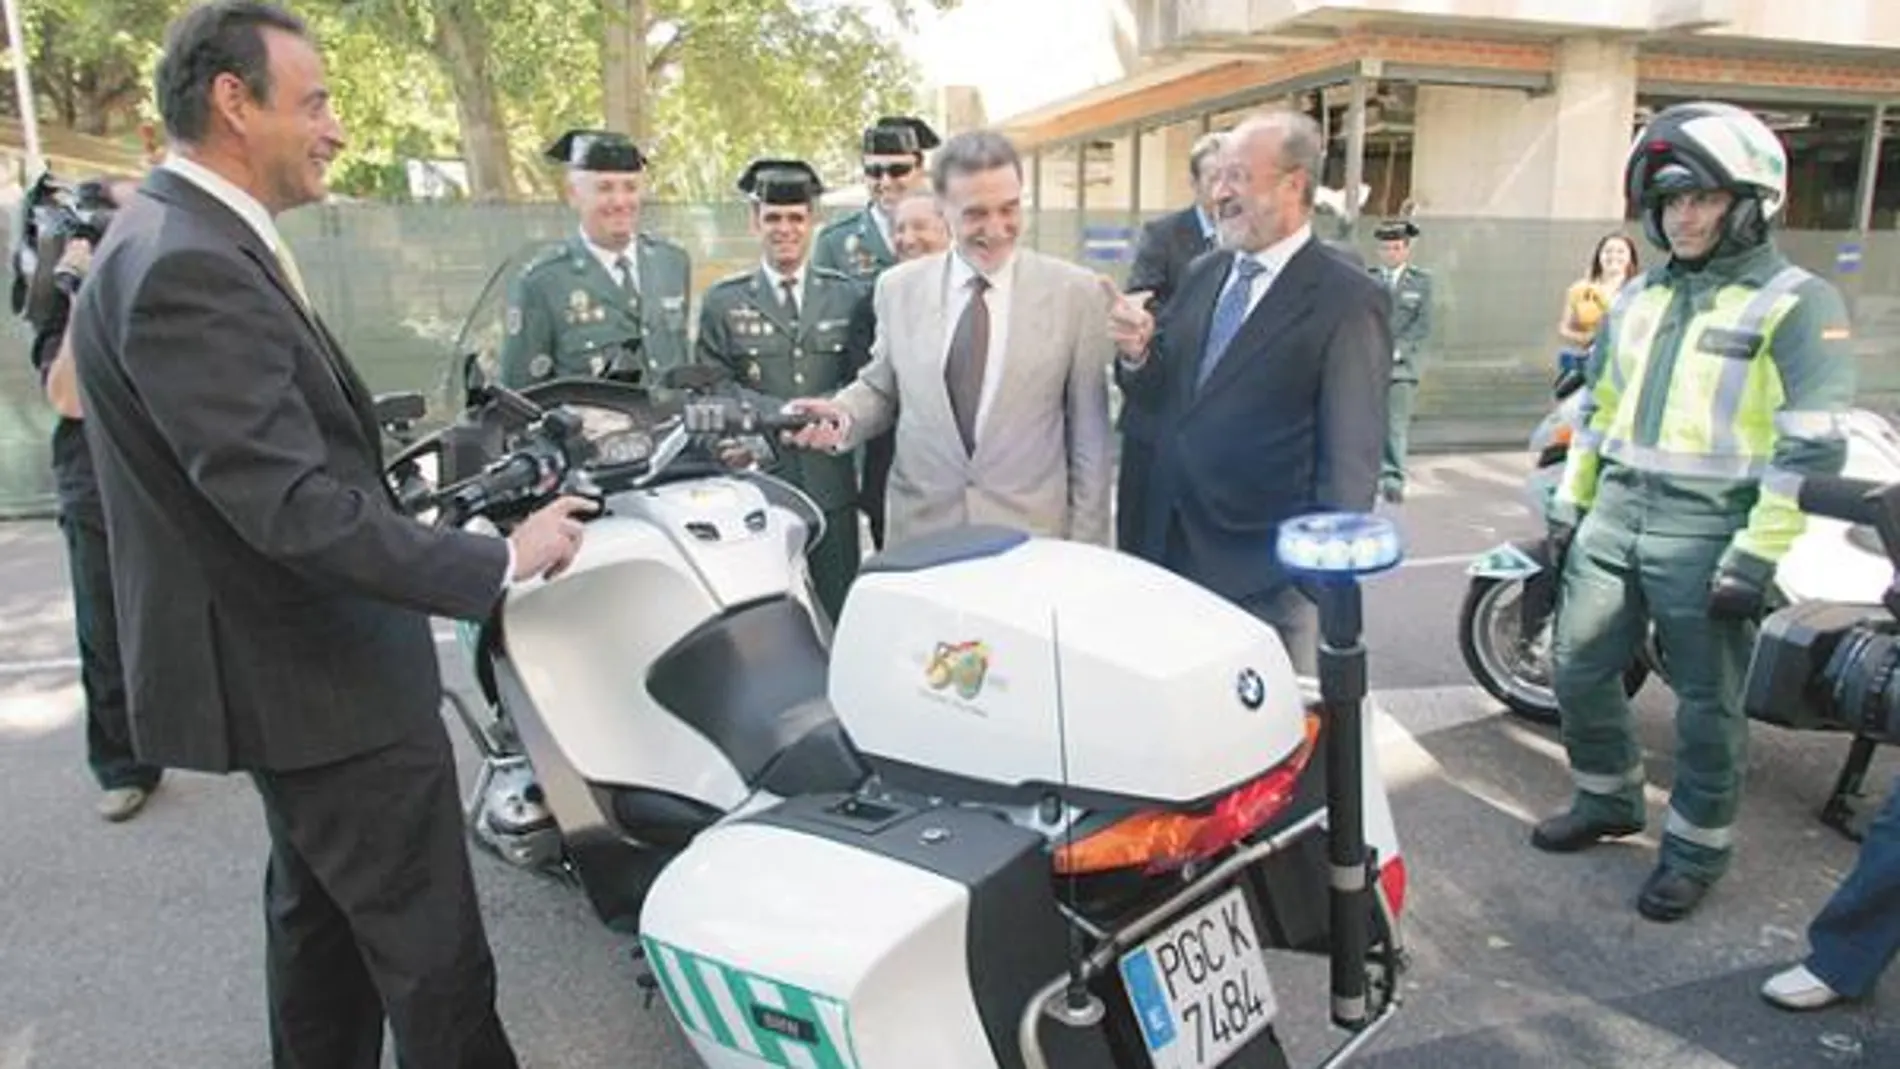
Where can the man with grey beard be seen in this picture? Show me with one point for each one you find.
(1265, 379)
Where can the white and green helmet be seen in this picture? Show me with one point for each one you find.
(1708, 145)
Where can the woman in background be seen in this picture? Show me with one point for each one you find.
(1588, 299)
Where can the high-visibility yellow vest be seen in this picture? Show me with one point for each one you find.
(1718, 414)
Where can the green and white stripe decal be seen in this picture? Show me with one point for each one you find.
(779, 1024)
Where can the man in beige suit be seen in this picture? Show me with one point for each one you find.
(997, 359)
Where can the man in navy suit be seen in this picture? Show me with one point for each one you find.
(1265, 377)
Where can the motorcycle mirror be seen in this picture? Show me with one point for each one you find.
(405, 407)
(474, 383)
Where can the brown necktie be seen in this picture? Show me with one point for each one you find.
(969, 354)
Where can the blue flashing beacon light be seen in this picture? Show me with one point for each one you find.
(1332, 551)
(1339, 545)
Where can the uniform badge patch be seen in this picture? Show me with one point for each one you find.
(541, 366)
(514, 320)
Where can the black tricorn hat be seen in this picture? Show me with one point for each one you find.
(1396, 230)
(781, 182)
(899, 135)
(597, 150)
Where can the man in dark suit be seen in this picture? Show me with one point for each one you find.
(273, 602)
(1266, 374)
(1168, 245)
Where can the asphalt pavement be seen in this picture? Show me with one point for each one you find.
(141, 944)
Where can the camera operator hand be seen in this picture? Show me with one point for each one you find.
(547, 542)
(76, 261)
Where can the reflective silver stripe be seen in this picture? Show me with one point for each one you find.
(1814, 426)
(1728, 389)
(1781, 481)
(1607, 782)
(1714, 838)
(1694, 465)
(1630, 291)
(1586, 439)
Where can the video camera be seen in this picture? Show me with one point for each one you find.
(1826, 666)
(52, 214)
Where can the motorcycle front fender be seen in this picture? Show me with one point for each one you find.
(1508, 562)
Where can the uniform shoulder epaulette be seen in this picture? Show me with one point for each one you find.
(738, 278)
(659, 242)
(841, 222)
(547, 254)
(830, 274)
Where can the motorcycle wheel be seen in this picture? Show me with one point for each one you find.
(1511, 667)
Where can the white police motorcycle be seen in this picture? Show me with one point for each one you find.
(674, 673)
(1100, 795)
(1010, 823)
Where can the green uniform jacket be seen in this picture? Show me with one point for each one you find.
(567, 316)
(854, 247)
(744, 328)
(1411, 318)
(1658, 363)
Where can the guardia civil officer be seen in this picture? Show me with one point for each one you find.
(861, 245)
(609, 299)
(789, 328)
(1411, 288)
(1717, 382)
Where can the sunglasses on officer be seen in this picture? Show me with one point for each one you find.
(875, 171)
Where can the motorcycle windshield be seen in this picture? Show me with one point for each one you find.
(474, 357)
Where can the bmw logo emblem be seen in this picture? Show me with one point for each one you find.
(1251, 688)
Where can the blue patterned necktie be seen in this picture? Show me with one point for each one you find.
(1229, 314)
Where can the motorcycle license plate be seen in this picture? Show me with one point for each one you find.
(1199, 987)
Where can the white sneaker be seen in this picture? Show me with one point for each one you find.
(1799, 989)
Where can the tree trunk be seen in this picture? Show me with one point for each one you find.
(460, 44)
(623, 69)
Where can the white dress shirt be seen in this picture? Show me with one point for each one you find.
(607, 258)
(228, 194)
(777, 278)
(957, 298)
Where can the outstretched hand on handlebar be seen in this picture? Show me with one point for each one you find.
(829, 428)
(547, 542)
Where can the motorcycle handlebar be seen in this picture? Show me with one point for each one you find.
(725, 418)
(1840, 498)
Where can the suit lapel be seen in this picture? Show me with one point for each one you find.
(765, 297)
(1196, 317)
(927, 333)
(1028, 319)
(1287, 303)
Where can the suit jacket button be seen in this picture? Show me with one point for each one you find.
(798, 377)
(797, 353)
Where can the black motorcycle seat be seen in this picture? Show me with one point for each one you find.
(753, 683)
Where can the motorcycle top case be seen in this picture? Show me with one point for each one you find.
(985, 664)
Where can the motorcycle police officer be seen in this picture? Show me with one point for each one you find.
(1718, 381)
(789, 328)
(608, 299)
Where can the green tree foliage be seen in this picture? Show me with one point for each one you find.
(737, 79)
(491, 82)
(91, 60)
